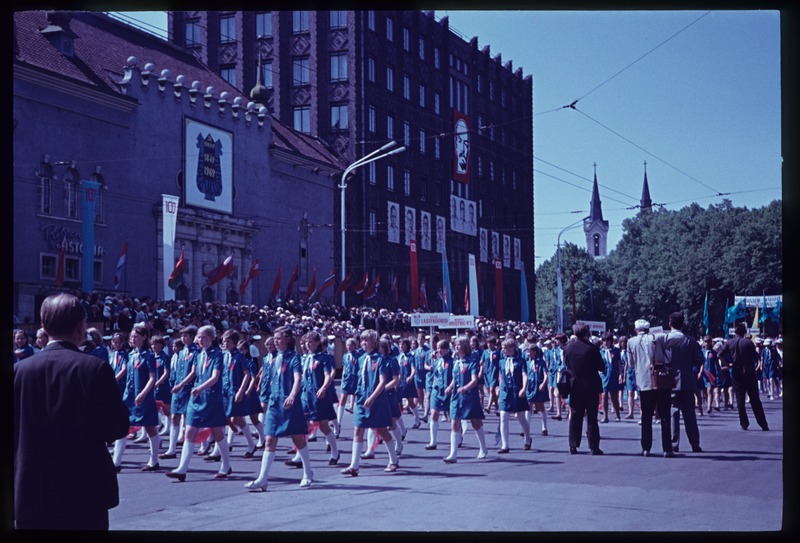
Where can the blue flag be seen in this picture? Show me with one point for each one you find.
(705, 313)
(447, 294)
(523, 291)
(763, 316)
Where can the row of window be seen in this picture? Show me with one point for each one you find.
(48, 268)
(406, 38)
(71, 197)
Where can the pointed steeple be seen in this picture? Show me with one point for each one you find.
(646, 202)
(596, 211)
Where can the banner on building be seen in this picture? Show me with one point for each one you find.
(758, 301)
(169, 214)
(463, 216)
(473, 286)
(208, 167)
(90, 192)
(461, 147)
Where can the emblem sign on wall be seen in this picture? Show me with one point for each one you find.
(208, 166)
(463, 216)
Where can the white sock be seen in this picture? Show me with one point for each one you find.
(260, 431)
(339, 412)
(390, 449)
(481, 440)
(186, 455)
(119, 448)
(217, 451)
(225, 456)
(248, 436)
(415, 411)
(358, 446)
(434, 429)
(331, 439)
(371, 439)
(173, 439)
(523, 420)
(266, 462)
(297, 457)
(454, 443)
(155, 443)
(544, 420)
(231, 437)
(181, 430)
(336, 426)
(397, 435)
(503, 429)
(304, 456)
(464, 425)
(401, 425)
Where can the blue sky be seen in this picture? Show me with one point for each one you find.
(695, 94)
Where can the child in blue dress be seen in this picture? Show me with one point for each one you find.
(537, 392)
(442, 372)
(629, 370)
(612, 376)
(491, 371)
(349, 379)
(163, 392)
(408, 373)
(513, 387)
(181, 367)
(465, 399)
(317, 392)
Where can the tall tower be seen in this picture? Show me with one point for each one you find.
(646, 202)
(595, 228)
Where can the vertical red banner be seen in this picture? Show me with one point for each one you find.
(461, 147)
(498, 286)
(414, 276)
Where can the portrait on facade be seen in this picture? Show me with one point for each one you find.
(495, 246)
(461, 148)
(425, 230)
(454, 213)
(393, 222)
(440, 234)
(483, 253)
(207, 167)
(517, 254)
(506, 251)
(410, 224)
(471, 226)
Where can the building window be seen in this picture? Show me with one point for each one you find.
(514, 179)
(227, 29)
(422, 138)
(452, 60)
(371, 20)
(422, 91)
(421, 48)
(465, 70)
(389, 29)
(299, 21)
(371, 69)
(48, 266)
(72, 268)
(480, 166)
(407, 182)
(436, 100)
(373, 173)
(338, 66)
(44, 190)
(406, 87)
(423, 189)
(338, 19)
(390, 127)
(503, 97)
(491, 170)
(228, 73)
(596, 239)
(266, 74)
(372, 119)
(406, 133)
(373, 223)
(437, 193)
(339, 117)
(389, 79)
(437, 148)
(390, 178)
(192, 29)
(302, 119)
(406, 39)
(436, 58)
(478, 83)
(100, 206)
(264, 24)
(71, 193)
(300, 71)
(491, 89)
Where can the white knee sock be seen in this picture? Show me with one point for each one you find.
(225, 456)
(155, 443)
(415, 411)
(119, 448)
(260, 431)
(358, 446)
(266, 462)
(464, 425)
(306, 459)
(231, 437)
(523, 420)
(454, 443)
(339, 412)
(481, 440)
(248, 436)
(401, 425)
(372, 438)
(173, 439)
(434, 429)
(331, 439)
(397, 435)
(390, 449)
(544, 420)
(503, 429)
(186, 455)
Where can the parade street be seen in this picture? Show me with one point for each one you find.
(735, 484)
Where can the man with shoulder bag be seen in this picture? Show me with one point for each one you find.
(743, 353)
(653, 392)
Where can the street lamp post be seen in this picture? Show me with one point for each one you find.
(383, 152)
(560, 301)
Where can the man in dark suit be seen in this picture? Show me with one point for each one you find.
(584, 361)
(745, 358)
(68, 400)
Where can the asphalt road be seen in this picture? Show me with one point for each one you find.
(735, 485)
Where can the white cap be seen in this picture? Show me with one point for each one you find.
(768, 341)
(641, 324)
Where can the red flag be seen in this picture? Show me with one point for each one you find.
(372, 291)
(466, 298)
(276, 285)
(311, 290)
(61, 261)
(395, 295)
(328, 282)
(498, 286)
(361, 287)
(221, 272)
(123, 257)
(344, 285)
(292, 279)
(415, 303)
(423, 296)
(252, 274)
(177, 273)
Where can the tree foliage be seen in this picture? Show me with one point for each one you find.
(667, 261)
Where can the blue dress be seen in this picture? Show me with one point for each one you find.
(371, 367)
(555, 363)
(254, 401)
(406, 361)
(630, 372)
(466, 405)
(349, 373)
(393, 395)
(610, 377)
(421, 377)
(207, 409)
(511, 371)
(537, 370)
(724, 380)
(100, 352)
(282, 422)
(27, 351)
(164, 390)
(770, 360)
(118, 360)
(234, 365)
(315, 366)
(183, 366)
(711, 368)
(442, 377)
(491, 367)
(266, 378)
(140, 365)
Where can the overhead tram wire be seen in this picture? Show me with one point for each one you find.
(536, 158)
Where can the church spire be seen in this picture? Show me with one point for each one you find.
(596, 211)
(646, 202)
(594, 227)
